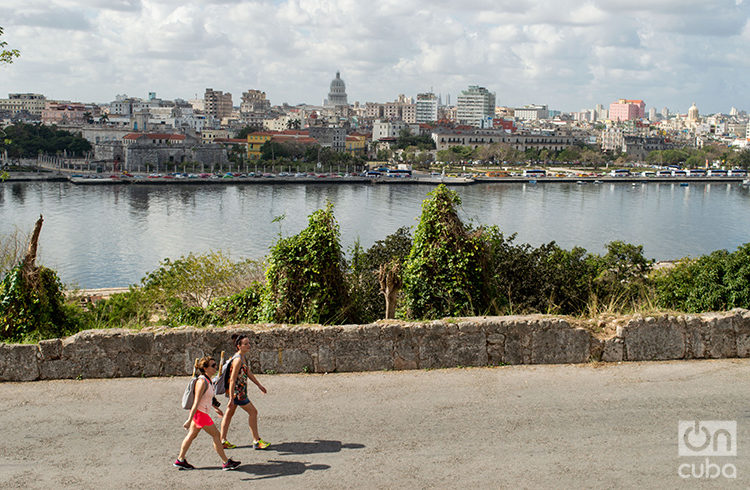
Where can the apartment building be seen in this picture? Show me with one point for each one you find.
(474, 104)
(31, 103)
(426, 108)
(627, 110)
(217, 103)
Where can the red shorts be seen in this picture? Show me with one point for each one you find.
(202, 419)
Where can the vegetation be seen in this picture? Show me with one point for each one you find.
(28, 140)
(447, 268)
(7, 55)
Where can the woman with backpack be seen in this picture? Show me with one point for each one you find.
(199, 418)
(237, 391)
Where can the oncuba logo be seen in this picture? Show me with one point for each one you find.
(707, 438)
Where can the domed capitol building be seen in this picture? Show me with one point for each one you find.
(337, 94)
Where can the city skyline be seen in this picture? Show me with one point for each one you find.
(562, 54)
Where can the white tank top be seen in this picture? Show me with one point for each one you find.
(205, 402)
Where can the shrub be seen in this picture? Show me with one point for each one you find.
(306, 281)
(32, 305)
(243, 307)
(445, 272)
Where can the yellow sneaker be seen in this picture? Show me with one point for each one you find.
(228, 445)
(260, 444)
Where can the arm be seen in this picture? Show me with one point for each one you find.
(252, 378)
(200, 388)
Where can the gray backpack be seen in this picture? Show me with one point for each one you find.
(188, 398)
(221, 380)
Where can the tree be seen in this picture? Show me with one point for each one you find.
(7, 55)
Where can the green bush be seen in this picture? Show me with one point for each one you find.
(32, 306)
(305, 275)
(445, 273)
(243, 307)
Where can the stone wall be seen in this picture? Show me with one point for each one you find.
(385, 345)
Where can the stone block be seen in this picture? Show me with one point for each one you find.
(695, 342)
(653, 341)
(285, 361)
(19, 362)
(50, 349)
(559, 344)
(325, 362)
(517, 348)
(495, 348)
(613, 350)
(440, 348)
(722, 338)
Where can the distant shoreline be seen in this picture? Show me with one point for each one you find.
(97, 179)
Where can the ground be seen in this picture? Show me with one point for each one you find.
(564, 426)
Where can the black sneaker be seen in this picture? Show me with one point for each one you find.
(230, 465)
(183, 465)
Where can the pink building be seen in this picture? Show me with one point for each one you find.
(627, 110)
(67, 112)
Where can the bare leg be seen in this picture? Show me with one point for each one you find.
(226, 420)
(218, 446)
(252, 419)
(192, 433)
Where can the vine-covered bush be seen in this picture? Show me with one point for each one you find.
(445, 273)
(32, 305)
(305, 276)
(243, 307)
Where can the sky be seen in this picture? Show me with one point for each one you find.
(567, 54)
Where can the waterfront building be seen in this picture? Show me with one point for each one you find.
(426, 108)
(627, 110)
(356, 145)
(217, 103)
(532, 112)
(474, 104)
(337, 93)
(521, 141)
(34, 104)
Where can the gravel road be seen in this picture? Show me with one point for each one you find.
(566, 426)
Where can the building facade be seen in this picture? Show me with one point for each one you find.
(32, 103)
(474, 104)
(426, 108)
(217, 103)
(627, 110)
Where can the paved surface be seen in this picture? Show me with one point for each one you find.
(583, 426)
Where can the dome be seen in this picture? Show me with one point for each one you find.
(337, 95)
(693, 113)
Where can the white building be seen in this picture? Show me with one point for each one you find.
(531, 112)
(427, 108)
(474, 104)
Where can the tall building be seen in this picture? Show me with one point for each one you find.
(337, 93)
(217, 103)
(652, 114)
(665, 113)
(254, 101)
(474, 104)
(427, 108)
(627, 110)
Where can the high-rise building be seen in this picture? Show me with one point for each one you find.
(474, 104)
(427, 108)
(217, 103)
(665, 113)
(531, 112)
(627, 110)
(652, 114)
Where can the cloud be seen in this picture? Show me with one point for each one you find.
(565, 53)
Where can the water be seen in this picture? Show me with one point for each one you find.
(103, 236)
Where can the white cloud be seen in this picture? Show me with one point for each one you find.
(566, 53)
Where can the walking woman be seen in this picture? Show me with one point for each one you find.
(199, 418)
(237, 392)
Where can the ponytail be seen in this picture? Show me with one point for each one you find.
(237, 339)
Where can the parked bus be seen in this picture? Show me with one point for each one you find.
(737, 172)
(663, 173)
(696, 172)
(679, 173)
(535, 173)
(392, 172)
(717, 172)
(620, 172)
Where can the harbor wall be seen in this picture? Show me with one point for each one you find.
(386, 345)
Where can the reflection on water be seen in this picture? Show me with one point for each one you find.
(112, 235)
